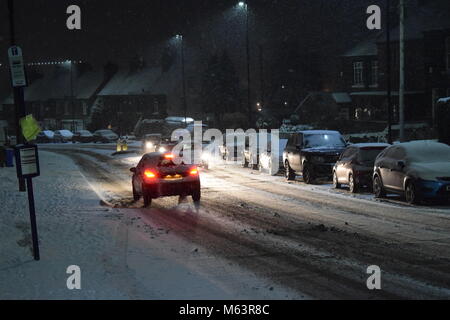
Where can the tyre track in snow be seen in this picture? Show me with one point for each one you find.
(219, 224)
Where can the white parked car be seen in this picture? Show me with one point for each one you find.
(63, 136)
(272, 163)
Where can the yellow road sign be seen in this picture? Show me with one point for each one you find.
(30, 127)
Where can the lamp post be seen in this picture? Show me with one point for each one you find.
(388, 70)
(183, 76)
(244, 5)
(71, 96)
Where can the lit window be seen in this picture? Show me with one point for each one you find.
(358, 68)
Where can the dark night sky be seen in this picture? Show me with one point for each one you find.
(109, 27)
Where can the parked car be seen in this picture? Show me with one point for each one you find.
(419, 170)
(205, 154)
(166, 145)
(355, 166)
(105, 136)
(232, 150)
(156, 175)
(266, 159)
(151, 142)
(45, 136)
(250, 156)
(83, 136)
(313, 153)
(63, 136)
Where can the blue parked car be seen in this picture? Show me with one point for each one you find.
(419, 170)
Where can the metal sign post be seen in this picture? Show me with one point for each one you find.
(17, 78)
(27, 163)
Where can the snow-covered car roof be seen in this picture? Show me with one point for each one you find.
(106, 131)
(65, 133)
(319, 132)
(426, 151)
(48, 133)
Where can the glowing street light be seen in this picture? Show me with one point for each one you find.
(180, 38)
(244, 6)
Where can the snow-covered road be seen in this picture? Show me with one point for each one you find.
(253, 236)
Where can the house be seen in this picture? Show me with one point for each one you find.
(61, 95)
(427, 52)
(140, 92)
(320, 106)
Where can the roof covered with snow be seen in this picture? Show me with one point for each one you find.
(55, 84)
(146, 81)
(365, 48)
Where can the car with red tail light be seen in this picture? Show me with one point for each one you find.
(160, 174)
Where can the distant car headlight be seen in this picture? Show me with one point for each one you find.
(162, 149)
(206, 157)
(148, 145)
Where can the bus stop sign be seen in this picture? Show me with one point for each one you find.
(27, 161)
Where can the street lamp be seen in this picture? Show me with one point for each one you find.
(70, 62)
(180, 38)
(244, 6)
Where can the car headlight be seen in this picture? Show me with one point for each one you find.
(162, 149)
(148, 145)
(205, 156)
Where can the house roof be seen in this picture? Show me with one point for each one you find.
(146, 81)
(429, 17)
(365, 48)
(55, 84)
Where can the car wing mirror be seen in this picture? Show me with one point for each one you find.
(133, 170)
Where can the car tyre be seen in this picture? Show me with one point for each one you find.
(352, 185)
(307, 174)
(336, 183)
(378, 188)
(196, 195)
(147, 199)
(290, 174)
(136, 196)
(411, 195)
(244, 162)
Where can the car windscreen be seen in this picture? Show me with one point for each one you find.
(369, 154)
(323, 140)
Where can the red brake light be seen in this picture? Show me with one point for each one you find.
(168, 156)
(193, 172)
(149, 174)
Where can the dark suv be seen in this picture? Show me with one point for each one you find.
(313, 153)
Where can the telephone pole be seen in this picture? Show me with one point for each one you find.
(388, 69)
(401, 92)
(19, 99)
